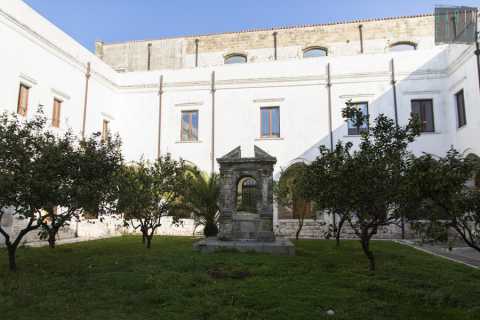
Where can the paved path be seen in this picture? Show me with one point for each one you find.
(464, 255)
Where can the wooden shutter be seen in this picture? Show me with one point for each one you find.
(57, 104)
(22, 106)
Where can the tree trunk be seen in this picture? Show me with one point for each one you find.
(12, 258)
(338, 231)
(368, 253)
(149, 242)
(299, 229)
(403, 226)
(51, 238)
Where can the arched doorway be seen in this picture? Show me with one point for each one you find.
(295, 206)
(247, 195)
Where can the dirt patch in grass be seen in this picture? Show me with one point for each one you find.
(223, 271)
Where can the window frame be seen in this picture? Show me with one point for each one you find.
(20, 110)
(190, 123)
(105, 129)
(460, 123)
(423, 120)
(412, 44)
(270, 134)
(315, 48)
(235, 55)
(359, 131)
(56, 112)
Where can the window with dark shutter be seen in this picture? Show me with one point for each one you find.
(423, 109)
(461, 114)
(22, 106)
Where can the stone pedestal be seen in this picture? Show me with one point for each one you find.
(246, 205)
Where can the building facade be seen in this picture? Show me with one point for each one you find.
(283, 89)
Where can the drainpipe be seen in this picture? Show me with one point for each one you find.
(160, 95)
(477, 53)
(196, 52)
(360, 30)
(212, 152)
(329, 92)
(149, 58)
(85, 101)
(275, 34)
(394, 88)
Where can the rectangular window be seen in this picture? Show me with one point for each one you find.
(105, 129)
(22, 106)
(353, 128)
(189, 130)
(461, 114)
(57, 105)
(423, 108)
(270, 122)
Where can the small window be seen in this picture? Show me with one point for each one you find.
(105, 129)
(315, 52)
(235, 58)
(270, 122)
(461, 114)
(22, 106)
(353, 128)
(57, 106)
(424, 110)
(189, 126)
(403, 46)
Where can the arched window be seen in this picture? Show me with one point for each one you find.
(235, 58)
(247, 195)
(315, 52)
(403, 46)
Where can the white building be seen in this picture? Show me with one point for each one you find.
(277, 100)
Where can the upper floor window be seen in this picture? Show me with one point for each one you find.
(189, 130)
(270, 122)
(105, 129)
(354, 129)
(424, 110)
(57, 105)
(314, 52)
(22, 106)
(461, 114)
(235, 58)
(403, 46)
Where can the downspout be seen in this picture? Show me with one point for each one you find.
(85, 99)
(160, 95)
(360, 30)
(149, 57)
(275, 55)
(196, 52)
(212, 151)
(395, 107)
(329, 93)
(477, 53)
(394, 88)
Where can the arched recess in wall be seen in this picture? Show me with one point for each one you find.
(235, 58)
(293, 205)
(315, 52)
(403, 46)
(247, 195)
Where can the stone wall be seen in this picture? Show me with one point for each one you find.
(341, 39)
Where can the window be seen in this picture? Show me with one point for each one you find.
(403, 46)
(424, 110)
(105, 129)
(235, 58)
(314, 52)
(189, 126)
(353, 128)
(22, 106)
(461, 115)
(57, 104)
(270, 122)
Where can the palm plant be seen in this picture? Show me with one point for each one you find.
(201, 199)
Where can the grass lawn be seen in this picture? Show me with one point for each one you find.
(119, 279)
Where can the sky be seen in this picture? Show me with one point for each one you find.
(123, 20)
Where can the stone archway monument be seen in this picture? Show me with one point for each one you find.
(246, 206)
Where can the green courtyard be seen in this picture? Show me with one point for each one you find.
(118, 278)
